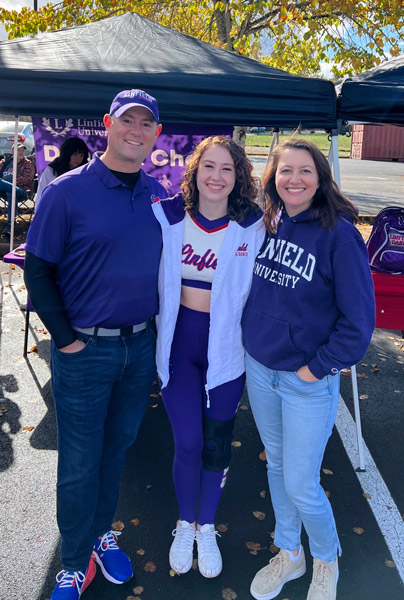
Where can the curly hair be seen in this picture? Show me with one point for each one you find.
(61, 164)
(328, 202)
(242, 198)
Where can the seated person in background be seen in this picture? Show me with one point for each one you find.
(25, 179)
(73, 153)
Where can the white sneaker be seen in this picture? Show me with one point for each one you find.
(182, 548)
(209, 558)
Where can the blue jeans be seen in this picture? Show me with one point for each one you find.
(100, 395)
(295, 419)
(6, 186)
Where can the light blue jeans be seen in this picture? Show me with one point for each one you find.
(295, 419)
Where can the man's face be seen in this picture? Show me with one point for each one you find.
(130, 138)
(20, 154)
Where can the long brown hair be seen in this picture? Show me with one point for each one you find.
(246, 188)
(328, 202)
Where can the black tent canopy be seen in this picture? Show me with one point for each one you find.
(76, 72)
(375, 96)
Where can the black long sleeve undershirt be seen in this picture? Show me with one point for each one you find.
(41, 281)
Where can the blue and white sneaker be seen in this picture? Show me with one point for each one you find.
(115, 565)
(70, 585)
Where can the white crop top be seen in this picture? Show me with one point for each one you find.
(200, 249)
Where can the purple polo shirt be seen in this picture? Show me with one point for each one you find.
(106, 243)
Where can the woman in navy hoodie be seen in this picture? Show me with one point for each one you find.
(310, 313)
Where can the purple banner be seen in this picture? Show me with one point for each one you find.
(166, 161)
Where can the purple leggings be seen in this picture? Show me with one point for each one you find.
(185, 402)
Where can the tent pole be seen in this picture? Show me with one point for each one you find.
(274, 142)
(13, 192)
(333, 159)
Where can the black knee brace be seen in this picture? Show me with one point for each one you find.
(217, 438)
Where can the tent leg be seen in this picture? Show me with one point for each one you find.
(357, 419)
(333, 159)
(14, 191)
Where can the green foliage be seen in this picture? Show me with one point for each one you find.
(296, 35)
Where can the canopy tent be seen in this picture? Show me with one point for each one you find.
(76, 72)
(375, 96)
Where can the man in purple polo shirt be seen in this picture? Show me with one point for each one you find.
(92, 258)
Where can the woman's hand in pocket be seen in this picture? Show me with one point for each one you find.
(305, 374)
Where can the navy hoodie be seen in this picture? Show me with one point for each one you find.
(312, 298)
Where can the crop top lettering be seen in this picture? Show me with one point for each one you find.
(200, 249)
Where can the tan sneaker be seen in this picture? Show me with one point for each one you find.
(324, 583)
(269, 580)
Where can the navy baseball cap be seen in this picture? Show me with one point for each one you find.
(129, 98)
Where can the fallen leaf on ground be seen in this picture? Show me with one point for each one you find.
(243, 407)
(397, 391)
(263, 493)
(118, 526)
(138, 590)
(28, 428)
(154, 395)
(173, 573)
(194, 564)
(327, 472)
(262, 456)
(135, 522)
(253, 545)
(346, 372)
(33, 349)
(154, 405)
(148, 486)
(229, 594)
(364, 364)
(358, 530)
(236, 444)
(327, 493)
(363, 397)
(259, 515)
(363, 376)
(141, 552)
(150, 567)
(3, 409)
(274, 549)
(222, 528)
(368, 496)
(375, 370)
(390, 563)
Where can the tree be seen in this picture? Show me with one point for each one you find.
(351, 35)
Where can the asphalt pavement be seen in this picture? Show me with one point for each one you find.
(368, 506)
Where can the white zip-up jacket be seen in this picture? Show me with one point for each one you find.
(230, 289)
